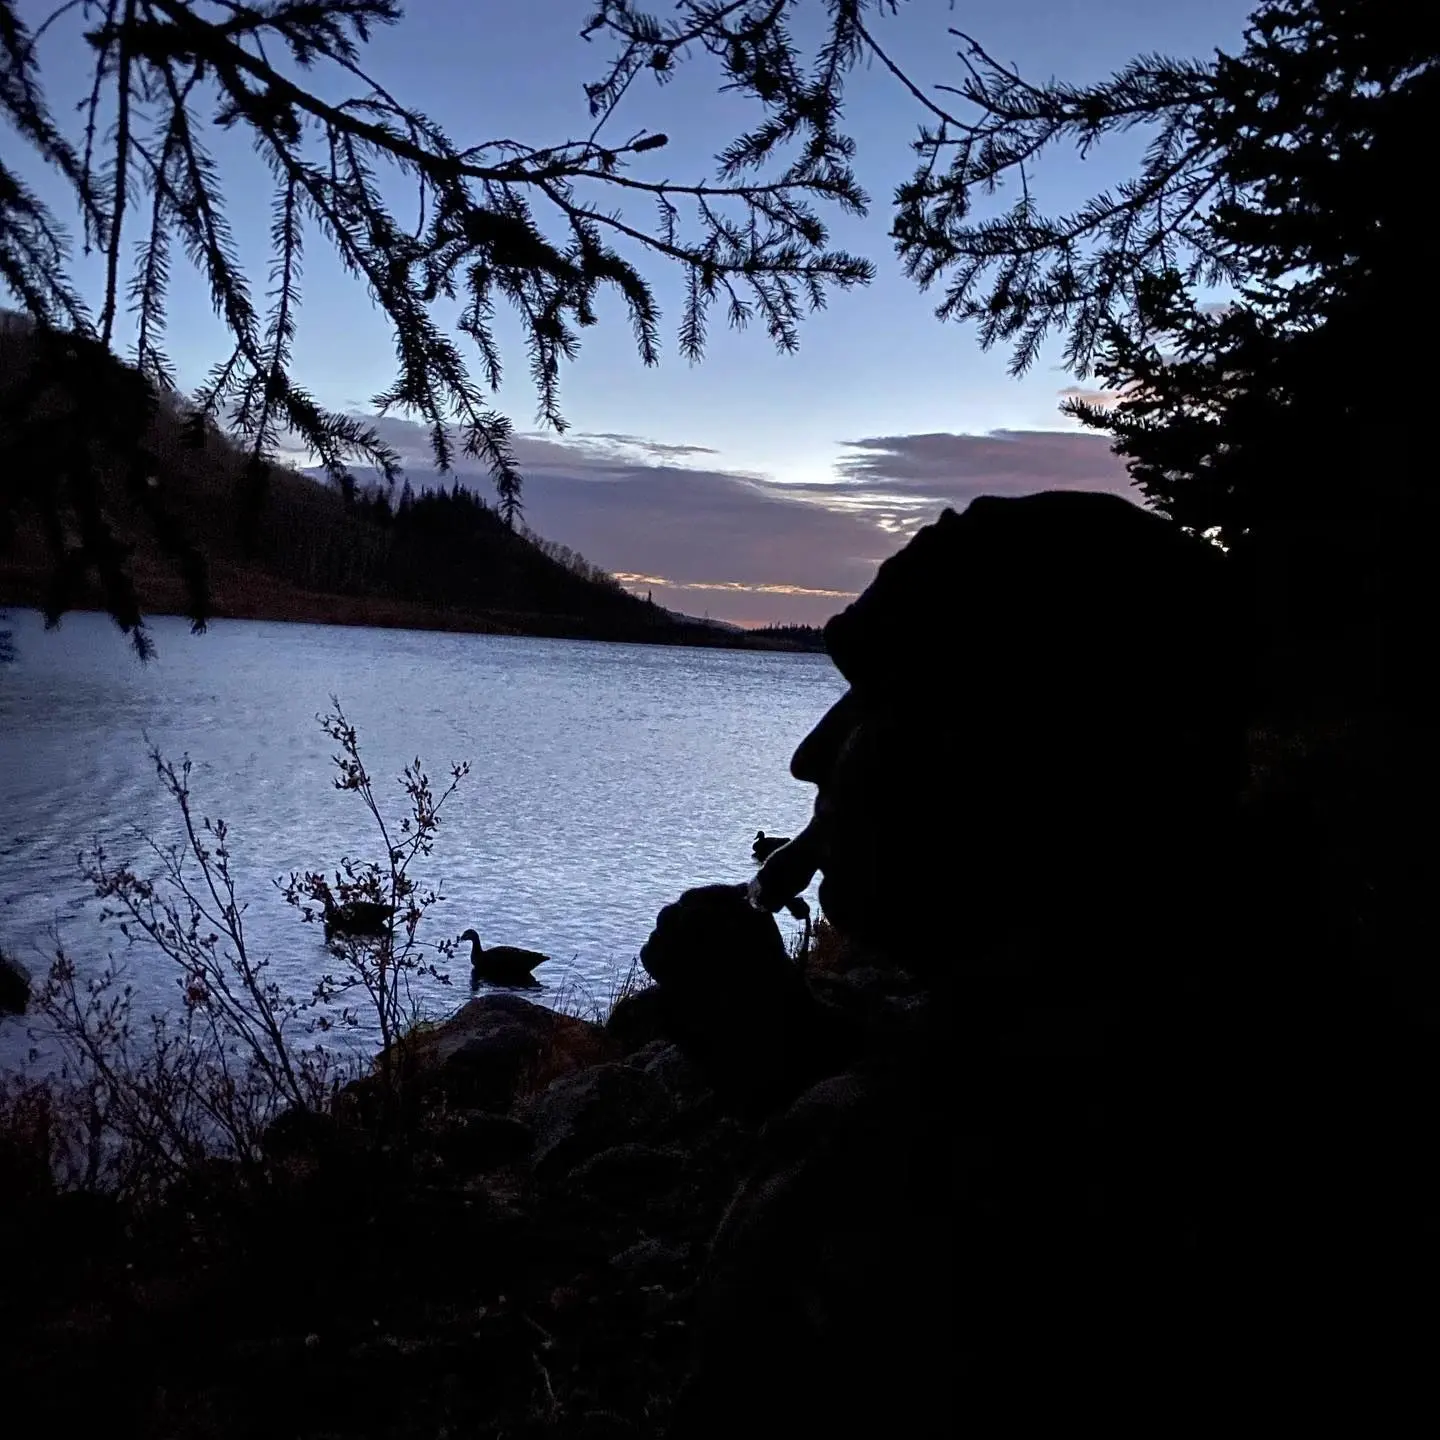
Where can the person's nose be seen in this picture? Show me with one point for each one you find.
(814, 757)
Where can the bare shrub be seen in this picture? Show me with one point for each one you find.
(379, 970)
(132, 1104)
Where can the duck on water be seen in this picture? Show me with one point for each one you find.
(766, 845)
(358, 918)
(502, 964)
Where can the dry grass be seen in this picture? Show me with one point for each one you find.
(572, 1046)
(578, 999)
(575, 1039)
(28, 1125)
(830, 953)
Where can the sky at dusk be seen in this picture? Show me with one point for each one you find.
(756, 487)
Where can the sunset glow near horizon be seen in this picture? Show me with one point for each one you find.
(757, 487)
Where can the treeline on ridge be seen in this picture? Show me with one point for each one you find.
(283, 545)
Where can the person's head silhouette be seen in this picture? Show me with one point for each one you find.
(1043, 690)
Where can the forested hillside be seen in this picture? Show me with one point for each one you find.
(283, 545)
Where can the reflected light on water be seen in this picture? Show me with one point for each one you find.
(605, 779)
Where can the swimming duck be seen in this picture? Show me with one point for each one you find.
(766, 845)
(356, 917)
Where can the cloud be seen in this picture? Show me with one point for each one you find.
(752, 549)
(953, 466)
(1100, 399)
(737, 546)
(901, 481)
(731, 587)
(637, 445)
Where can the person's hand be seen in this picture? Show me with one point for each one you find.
(787, 871)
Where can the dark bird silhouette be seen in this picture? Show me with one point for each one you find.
(502, 964)
(766, 845)
(362, 918)
(14, 987)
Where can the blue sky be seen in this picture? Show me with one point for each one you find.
(771, 503)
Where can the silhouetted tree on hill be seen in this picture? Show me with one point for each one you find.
(81, 452)
(799, 637)
(497, 222)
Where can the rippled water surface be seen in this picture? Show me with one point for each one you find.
(604, 779)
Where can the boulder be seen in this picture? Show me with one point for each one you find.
(14, 986)
(626, 1173)
(602, 1425)
(642, 1058)
(477, 1140)
(579, 1115)
(637, 1020)
(651, 1258)
(870, 994)
(820, 1284)
(300, 1134)
(498, 1047)
(668, 1064)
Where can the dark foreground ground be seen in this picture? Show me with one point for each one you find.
(522, 1262)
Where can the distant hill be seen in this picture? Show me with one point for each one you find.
(300, 550)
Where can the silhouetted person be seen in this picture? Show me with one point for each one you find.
(1043, 1191)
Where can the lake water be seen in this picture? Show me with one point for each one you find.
(604, 779)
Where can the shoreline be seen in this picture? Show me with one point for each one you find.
(238, 594)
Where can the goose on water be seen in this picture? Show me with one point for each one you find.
(502, 964)
(766, 845)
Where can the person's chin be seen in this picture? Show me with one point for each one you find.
(827, 893)
(845, 908)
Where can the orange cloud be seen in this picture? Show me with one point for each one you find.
(733, 587)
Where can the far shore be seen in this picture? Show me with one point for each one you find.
(241, 594)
